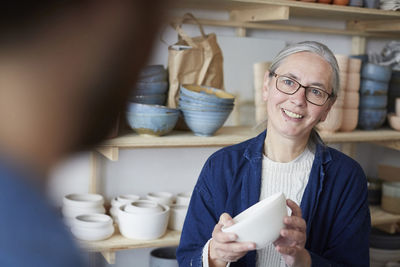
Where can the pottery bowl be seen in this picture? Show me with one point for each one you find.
(370, 87)
(143, 206)
(351, 100)
(325, 1)
(353, 82)
(370, 119)
(207, 94)
(92, 227)
(163, 198)
(332, 122)
(354, 65)
(341, 2)
(184, 103)
(83, 200)
(124, 199)
(343, 62)
(158, 99)
(70, 212)
(373, 101)
(146, 226)
(153, 73)
(358, 3)
(376, 72)
(342, 80)
(349, 119)
(260, 223)
(177, 217)
(150, 88)
(150, 109)
(397, 106)
(394, 121)
(371, 3)
(183, 198)
(204, 123)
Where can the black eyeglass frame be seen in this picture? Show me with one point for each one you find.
(300, 86)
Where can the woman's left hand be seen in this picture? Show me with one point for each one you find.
(293, 237)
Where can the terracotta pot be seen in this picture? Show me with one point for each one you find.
(351, 100)
(325, 1)
(349, 119)
(341, 2)
(333, 121)
(353, 82)
(343, 61)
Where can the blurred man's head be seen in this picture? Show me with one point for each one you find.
(66, 69)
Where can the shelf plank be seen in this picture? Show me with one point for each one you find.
(118, 242)
(235, 134)
(381, 217)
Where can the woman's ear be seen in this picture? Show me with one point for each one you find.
(265, 86)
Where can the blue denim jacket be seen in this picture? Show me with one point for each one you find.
(334, 204)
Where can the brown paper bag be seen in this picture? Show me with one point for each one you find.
(196, 60)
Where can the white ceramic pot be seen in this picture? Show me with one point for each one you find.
(92, 221)
(143, 226)
(92, 234)
(127, 198)
(177, 217)
(143, 207)
(163, 198)
(260, 223)
(183, 198)
(83, 200)
(72, 212)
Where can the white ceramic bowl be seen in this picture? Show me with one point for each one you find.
(163, 198)
(183, 198)
(72, 212)
(177, 217)
(143, 226)
(260, 223)
(92, 234)
(83, 200)
(127, 198)
(94, 220)
(143, 206)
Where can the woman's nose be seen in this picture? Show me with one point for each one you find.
(299, 98)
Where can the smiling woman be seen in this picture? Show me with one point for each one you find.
(326, 190)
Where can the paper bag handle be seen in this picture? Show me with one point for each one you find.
(182, 34)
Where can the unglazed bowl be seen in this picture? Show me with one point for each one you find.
(260, 223)
(177, 217)
(163, 198)
(83, 200)
(143, 206)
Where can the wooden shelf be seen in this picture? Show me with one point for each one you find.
(117, 242)
(235, 134)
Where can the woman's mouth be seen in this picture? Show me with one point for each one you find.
(292, 114)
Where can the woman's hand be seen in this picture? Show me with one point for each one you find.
(293, 238)
(223, 247)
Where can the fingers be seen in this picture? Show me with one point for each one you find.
(290, 251)
(226, 220)
(294, 236)
(296, 211)
(294, 222)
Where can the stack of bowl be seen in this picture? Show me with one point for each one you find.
(151, 120)
(162, 198)
(78, 204)
(333, 121)
(205, 109)
(143, 219)
(152, 86)
(92, 227)
(352, 97)
(119, 201)
(373, 95)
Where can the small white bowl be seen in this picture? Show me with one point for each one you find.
(72, 212)
(94, 220)
(143, 206)
(177, 217)
(183, 198)
(163, 198)
(141, 226)
(92, 234)
(83, 200)
(260, 223)
(127, 198)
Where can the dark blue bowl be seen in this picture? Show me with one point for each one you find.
(376, 72)
(370, 87)
(370, 119)
(373, 101)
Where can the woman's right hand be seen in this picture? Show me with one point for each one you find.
(223, 247)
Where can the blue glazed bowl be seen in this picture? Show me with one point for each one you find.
(373, 101)
(151, 88)
(153, 124)
(199, 101)
(370, 87)
(160, 77)
(151, 70)
(207, 94)
(193, 105)
(369, 119)
(144, 108)
(376, 72)
(149, 99)
(204, 123)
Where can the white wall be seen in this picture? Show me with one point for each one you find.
(176, 169)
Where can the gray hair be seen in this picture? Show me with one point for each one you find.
(312, 47)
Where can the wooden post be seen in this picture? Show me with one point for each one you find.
(358, 45)
(93, 176)
(241, 32)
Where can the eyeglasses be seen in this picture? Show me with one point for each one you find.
(289, 86)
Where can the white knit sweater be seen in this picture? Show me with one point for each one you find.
(290, 178)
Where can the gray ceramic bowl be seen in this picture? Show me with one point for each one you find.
(373, 101)
(207, 94)
(376, 72)
(371, 87)
(149, 99)
(144, 108)
(204, 123)
(150, 88)
(152, 124)
(370, 119)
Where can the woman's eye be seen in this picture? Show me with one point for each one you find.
(316, 92)
(288, 82)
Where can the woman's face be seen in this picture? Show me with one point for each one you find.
(292, 116)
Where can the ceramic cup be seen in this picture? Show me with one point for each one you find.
(183, 198)
(177, 217)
